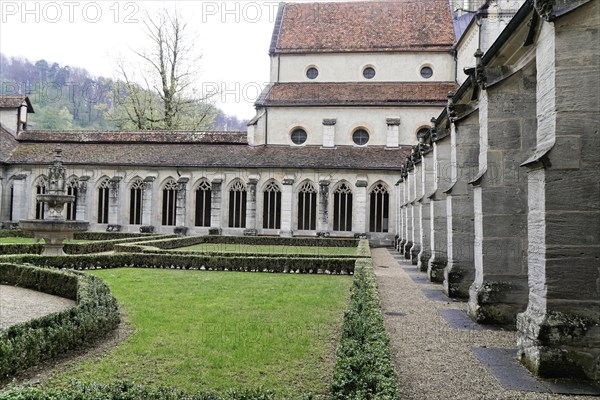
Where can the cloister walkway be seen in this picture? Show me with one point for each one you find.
(435, 360)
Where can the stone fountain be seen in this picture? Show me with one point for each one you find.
(54, 229)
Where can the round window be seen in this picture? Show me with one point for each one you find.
(312, 73)
(360, 137)
(369, 72)
(299, 136)
(426, 72)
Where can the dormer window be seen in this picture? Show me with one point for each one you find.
(369, 72)
(312, 73)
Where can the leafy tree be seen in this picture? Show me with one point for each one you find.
(161, 95)
(48, 118)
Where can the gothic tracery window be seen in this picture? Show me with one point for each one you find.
(169, 204)
(136, 202)
(40, 207)
(203, 204)
(379, 209)
(72, 190)
(237, 205)
(342, 208)
(103, 196)
(272, 206)
(307, 207)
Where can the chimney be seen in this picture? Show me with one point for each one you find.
(393, 132)
(329, 132)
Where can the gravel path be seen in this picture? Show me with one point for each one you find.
(432, 360)
(20, 305)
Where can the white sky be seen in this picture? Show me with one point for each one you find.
(232, 36)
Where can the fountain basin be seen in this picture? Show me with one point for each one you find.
(54, 233)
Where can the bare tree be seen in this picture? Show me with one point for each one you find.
(161, 95)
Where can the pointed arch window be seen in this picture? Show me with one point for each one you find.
(342, 208)
(12, 201)
(103, 196)
(136, 202)
(237, 205)
(307, 207)
(203, 203)
(72, 190)
(40, 206)
(169, 204)
(272, 206)
(379, 209)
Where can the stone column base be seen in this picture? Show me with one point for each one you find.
(436, 267)
(423, 261)
(497, 302)
(457, 281)
(414, 253)
(557, 344)
(286, 233)
(401, 244)
(406, 251)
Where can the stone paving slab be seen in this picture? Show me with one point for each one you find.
(421, 279)
(502, 363)
(458, 319)
(438, 295)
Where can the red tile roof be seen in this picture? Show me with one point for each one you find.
(357, 94)
(197, 155)
(134, 137)
(15, 102)
(366, 26)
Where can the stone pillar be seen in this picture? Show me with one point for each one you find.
(82, 205)
(113, 200)
(287, 199)
(181, 205)
(251, 228)
(148, 201)
(404, 214)
(417, 223)
(459, 274)
(410, 221)
(559, 333)
(507, 115)
(323, 206)
(439, 225)
(215, 203)
(359, 208)
(329, 132)
(20, 201)
(399, 214)
(393, 132)
(427, 178)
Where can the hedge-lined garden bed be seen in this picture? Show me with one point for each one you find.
(27, 344)
(100, 242)
(169, 244)
(364, 369)
(195, 262)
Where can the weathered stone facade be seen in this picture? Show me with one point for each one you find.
(523, 200)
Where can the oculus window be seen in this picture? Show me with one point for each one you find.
(426, 72)
(360, 137)
(299, 136)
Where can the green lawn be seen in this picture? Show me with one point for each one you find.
(220, 330)
(24, 240)
(269, 249)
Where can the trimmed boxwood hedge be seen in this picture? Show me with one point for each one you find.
(131, 391)
(364, 369)
(186, 241)
(246, 264)
(27, 344)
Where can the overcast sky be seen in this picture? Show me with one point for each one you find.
(232, 36)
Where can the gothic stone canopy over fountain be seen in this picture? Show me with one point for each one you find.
(54, 229)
